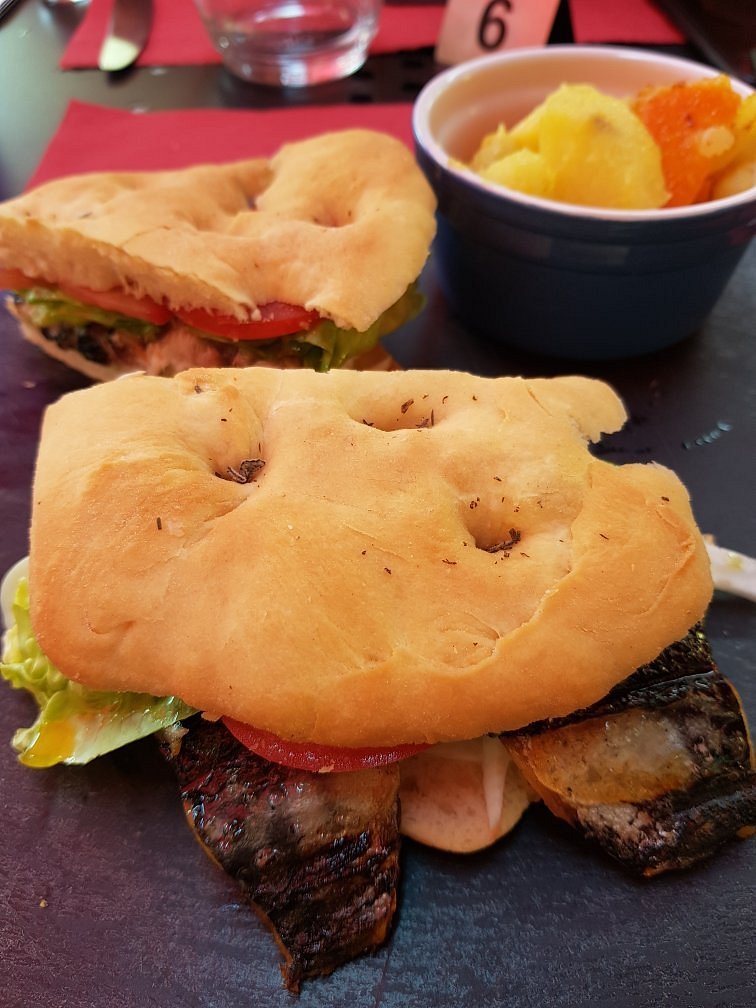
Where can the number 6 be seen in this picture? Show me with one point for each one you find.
(492, 29)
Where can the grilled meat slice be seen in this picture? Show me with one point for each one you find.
(660, 773)
(315, 854)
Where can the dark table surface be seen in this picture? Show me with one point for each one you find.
(106, 900)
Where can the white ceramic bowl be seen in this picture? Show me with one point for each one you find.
(555, 278)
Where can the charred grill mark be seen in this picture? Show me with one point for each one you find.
(316, 854)
(678, 829)
(687, 664)
(659, 773)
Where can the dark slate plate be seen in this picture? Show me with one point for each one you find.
(106, 900)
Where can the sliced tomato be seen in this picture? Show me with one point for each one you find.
(115, 300)
(277, 319)
(118, 301)
(314, 757)
(14, 279)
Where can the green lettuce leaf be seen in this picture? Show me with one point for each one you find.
(75, 724)
(333, 346)
(321, 348)
(325, 346)
(47, 308)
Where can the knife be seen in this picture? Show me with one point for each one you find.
(5, 6)
(127, 34)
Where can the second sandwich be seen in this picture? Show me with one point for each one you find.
(306, 259)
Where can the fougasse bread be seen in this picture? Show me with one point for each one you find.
(337, 227)
(356, 558)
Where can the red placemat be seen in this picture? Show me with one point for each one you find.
(96, 138)
(178, 37)
(622, 21)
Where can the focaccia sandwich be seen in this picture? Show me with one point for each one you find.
(305, 259)
(360, 602)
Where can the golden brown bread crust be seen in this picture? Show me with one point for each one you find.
(340, 223)
(424, 556)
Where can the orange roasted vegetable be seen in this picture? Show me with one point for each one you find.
(693, 124)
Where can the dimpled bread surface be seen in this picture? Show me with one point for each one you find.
(356, 558)
(340, 223)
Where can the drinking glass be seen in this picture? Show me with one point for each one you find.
(291, 43)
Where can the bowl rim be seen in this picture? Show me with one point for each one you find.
(448, 77)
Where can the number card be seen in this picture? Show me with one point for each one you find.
(473, 28)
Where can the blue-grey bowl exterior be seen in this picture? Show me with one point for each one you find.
(579, 287)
